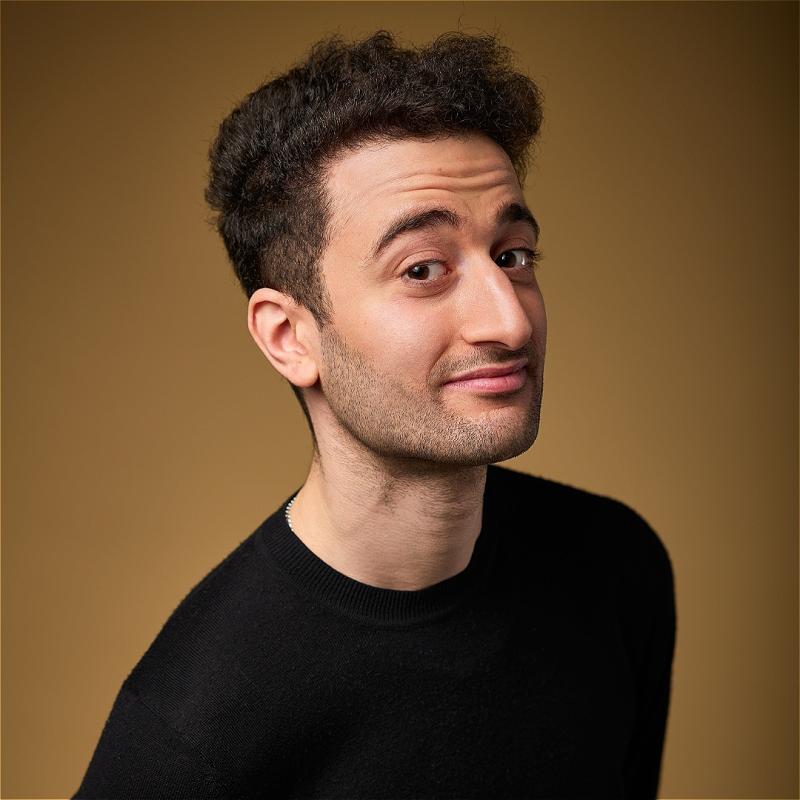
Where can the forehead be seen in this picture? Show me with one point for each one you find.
(366, 185)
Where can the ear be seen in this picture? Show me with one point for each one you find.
(283, 331)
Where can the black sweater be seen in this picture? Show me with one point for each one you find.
(542, 670)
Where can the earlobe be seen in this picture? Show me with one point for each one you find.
(277, 326)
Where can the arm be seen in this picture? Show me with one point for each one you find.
(140, 756)
(653, 677)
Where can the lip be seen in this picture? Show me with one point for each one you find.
(493, 379)
(492, 371)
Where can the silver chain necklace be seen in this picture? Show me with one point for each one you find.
(288, 517)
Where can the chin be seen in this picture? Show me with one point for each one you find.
(490, 451)
(511, 451)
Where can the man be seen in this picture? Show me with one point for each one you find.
(414, 622)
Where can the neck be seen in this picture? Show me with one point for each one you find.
(390, 523)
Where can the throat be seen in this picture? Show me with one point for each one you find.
(392, 535)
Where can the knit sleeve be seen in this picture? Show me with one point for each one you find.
(653, 672)
(139, 755)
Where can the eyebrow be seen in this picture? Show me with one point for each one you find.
(435, 217)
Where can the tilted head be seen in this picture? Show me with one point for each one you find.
(285, 155)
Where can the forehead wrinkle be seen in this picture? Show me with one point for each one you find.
(391, 167)
(356, 183)
(397, 187)
(469, 181)
(390, 160)
(415, 183)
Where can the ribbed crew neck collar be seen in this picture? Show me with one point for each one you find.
(314, 577)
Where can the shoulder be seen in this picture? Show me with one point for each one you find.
(201, 658)
(602, 529)
(207, 670)
(204, 675)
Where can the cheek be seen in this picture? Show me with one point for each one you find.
(401, 338)
(410, 337)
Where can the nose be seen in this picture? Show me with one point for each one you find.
(491, 311)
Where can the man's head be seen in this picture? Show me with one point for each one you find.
(310, 176)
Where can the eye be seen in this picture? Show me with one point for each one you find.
(520, 257)
(425, 271)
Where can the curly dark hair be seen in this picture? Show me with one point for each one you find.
(266, 179)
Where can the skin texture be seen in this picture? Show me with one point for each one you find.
(394, 497)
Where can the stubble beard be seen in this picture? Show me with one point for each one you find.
(383, 415)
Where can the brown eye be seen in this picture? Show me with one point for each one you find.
(426, 271)
(520, 257)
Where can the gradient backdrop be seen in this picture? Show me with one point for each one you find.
(145, 435)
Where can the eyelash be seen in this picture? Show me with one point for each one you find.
(535, 256)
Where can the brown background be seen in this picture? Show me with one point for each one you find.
(145, 435)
